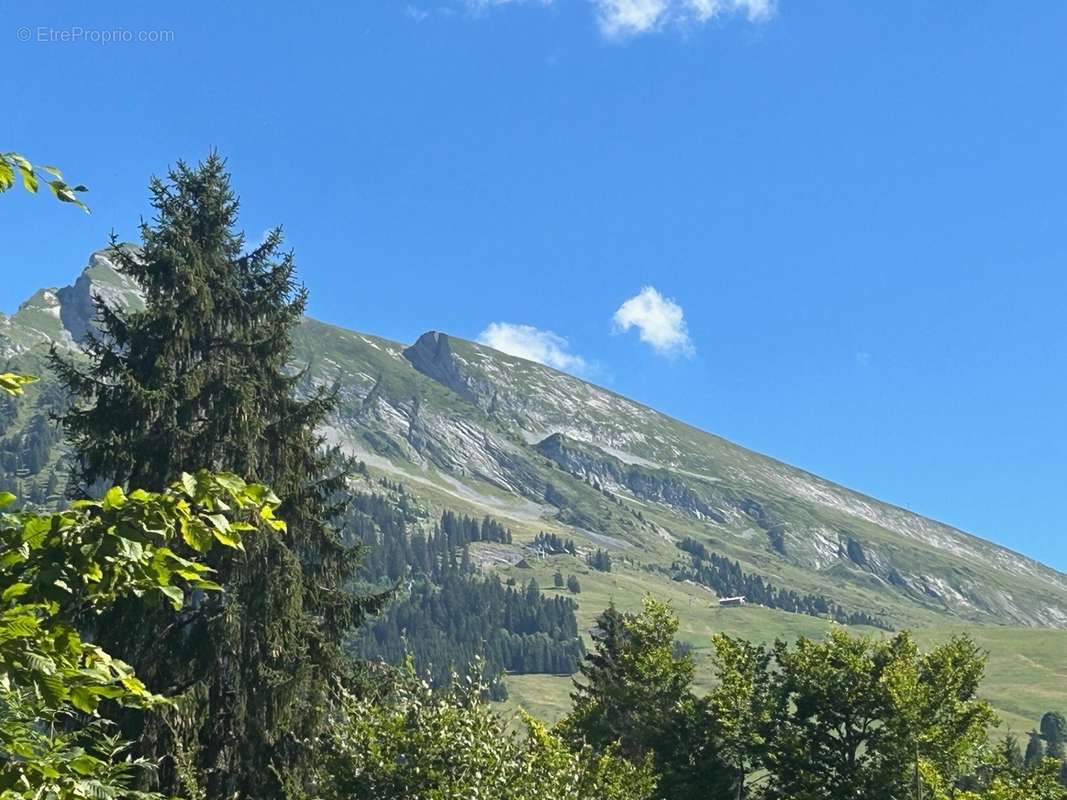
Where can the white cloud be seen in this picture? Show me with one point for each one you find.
(481, 5)
(659, 320)
(533, 344)
(619, 19)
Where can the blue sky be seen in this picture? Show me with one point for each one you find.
(849, 217)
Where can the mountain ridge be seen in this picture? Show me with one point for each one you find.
(435, 334)
(492, 432)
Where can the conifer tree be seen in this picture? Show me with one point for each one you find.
(1035, 750)
(1012, 752)
(201, 378)
(634, 693)
(1054, 732)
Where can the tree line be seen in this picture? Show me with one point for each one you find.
(844, 717)
(726, 578)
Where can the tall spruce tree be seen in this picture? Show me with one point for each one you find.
(201, 378)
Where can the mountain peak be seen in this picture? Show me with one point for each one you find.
(63, 315)
(432, 355)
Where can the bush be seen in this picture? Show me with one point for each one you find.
(405, 741)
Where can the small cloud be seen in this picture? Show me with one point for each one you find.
(482, 5)
(533, 344)
(863, 359)
(619, 19)
(254, 244)
(659, 320)
(415, 13)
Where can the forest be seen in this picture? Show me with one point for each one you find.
(209, 610)
(446, 614)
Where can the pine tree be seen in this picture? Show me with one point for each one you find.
(1035, 750)
(600, 672)
(201, 378)
(1054, 732)
(1012, 752)
(635, 694)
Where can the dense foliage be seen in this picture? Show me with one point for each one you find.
(860, 717)
(552, 544)
(1047, 746)
(404, 741)
(29, 466)
(58, 568)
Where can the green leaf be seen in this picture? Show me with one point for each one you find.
(15, 590)
(220, 522)
(115, 498)
(29, 180)
(12, 383)
(21, 162)
(176, 596)
(11, 557)
(52, 689)
(230, 483)
(188, 484)
(229, 540)
(85, 764)
(6, 499)
(83, 699)
(7, 175)
(196, 535)
(66, 194)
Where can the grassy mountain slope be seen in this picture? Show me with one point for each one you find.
(546, 448)
(472, 429)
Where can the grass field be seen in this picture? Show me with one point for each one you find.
(1026, 672)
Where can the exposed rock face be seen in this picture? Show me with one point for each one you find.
(500, 435)
(432, 356)
(657, 486)
(63, 316)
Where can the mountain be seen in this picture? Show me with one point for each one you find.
(535, 445)
(680, 511)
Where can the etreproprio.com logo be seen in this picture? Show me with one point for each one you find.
(77, 34)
